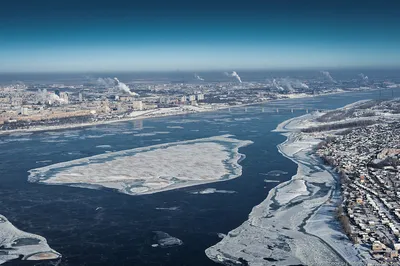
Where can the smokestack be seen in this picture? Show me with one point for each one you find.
(233, 74)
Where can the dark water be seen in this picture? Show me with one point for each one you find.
(121, 231)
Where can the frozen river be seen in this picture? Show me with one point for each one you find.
(102, 227)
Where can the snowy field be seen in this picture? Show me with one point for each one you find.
(15, 244)
(286, 228)
(150, 169)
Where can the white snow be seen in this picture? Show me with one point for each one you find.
(105, 146)
(150, 133)
(282, 229)
(150, 169)
(213, 190)
(15, 243)
(164, 240)
(176, 127)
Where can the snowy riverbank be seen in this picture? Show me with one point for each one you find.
(15, 244)
(162, 112)
(295, 224)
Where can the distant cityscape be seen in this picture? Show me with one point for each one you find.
(35, 105)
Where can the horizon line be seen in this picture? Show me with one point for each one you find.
(331, 68)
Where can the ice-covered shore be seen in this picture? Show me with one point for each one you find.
(295, 224)
(15, 244)
(150, 169)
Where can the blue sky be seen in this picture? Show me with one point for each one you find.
(158, 35)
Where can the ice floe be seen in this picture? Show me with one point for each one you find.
(271, 181)
(15, 244)
(153, 168)
(150, 134)
(103, 146)
(184, 121)
(164, 240)
(175, 208)
(44, 161)
(20, 134)
(176, 127)
(275, 173)
(212, 191)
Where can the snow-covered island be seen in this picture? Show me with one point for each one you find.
(150, 169)
(15, 244)
(295, 224)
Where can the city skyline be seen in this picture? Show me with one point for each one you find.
(155, 36)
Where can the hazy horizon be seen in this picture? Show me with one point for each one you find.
(119, 36)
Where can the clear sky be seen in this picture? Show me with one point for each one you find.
(116, 35)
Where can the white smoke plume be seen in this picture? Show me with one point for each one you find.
(287, 84)
(105, 82)
(51, 97)
(328, 76)
(300, 84)
(114, 83)
(363, 77)
(277, 85)
(233, 74)
(123, 87)
(197, 77)
(55, 98)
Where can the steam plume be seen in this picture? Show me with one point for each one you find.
(299, 84)
(328, 76)
(276, 85)
(45, 96)
(287, 84)
(233, 74)
(363, 77)
(114, 83)
(123, 87)
(105, 82)
(197, 77)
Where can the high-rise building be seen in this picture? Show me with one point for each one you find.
(200, 97)
(24, 110)
(137, 105)
(104, 106)
(165, 100)
(192, 98)
(80, 97)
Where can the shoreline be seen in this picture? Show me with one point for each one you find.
(291, 226)
(145, 115)
(38, 250)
